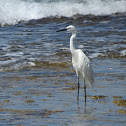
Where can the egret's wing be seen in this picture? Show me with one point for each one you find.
(77, 60)
(85, 68)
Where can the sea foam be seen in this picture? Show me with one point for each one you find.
(14, 11)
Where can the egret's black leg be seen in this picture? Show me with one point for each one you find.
(78, 89)
(85, 92)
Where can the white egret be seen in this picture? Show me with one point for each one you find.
(80, 62)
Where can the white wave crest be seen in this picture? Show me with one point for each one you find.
(13, 11)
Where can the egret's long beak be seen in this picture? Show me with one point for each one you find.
(61, 30)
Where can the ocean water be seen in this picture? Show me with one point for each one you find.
(38, 85)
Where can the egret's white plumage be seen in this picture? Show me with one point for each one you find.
(83, 67)
(80, 62)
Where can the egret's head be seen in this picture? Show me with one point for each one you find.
(70, 28)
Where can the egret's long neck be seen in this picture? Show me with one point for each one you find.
(72, 48)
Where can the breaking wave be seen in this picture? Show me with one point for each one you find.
(14, 11)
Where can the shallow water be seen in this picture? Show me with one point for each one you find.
(37, 81)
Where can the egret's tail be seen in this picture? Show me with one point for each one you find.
(89, 83)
